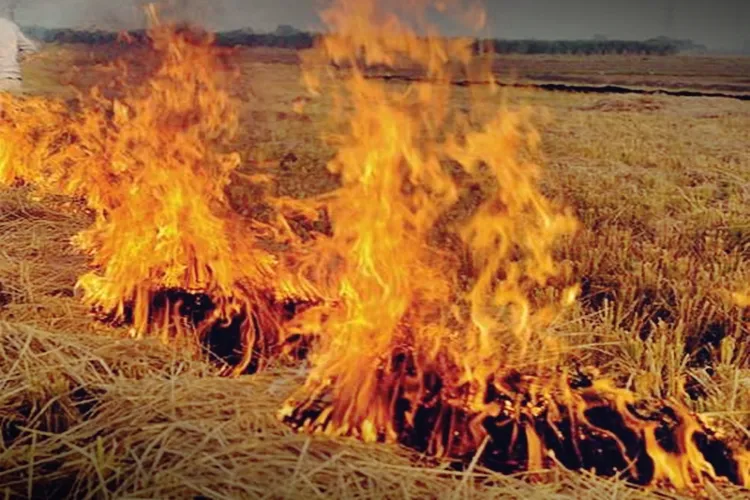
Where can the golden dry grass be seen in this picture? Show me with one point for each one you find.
(96, 418)
(660, 184)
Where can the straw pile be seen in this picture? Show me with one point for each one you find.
(87, 413)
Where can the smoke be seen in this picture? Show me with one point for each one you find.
(112, 15)
(669, 16)
(124, 14)
(718, 23)
(261, 15)
(8, 8)
(129, 14)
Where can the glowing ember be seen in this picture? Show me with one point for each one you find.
(152, 167)
(439, 337)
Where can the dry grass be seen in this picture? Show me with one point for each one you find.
(660, 184)
(38, 265)
(86, 416)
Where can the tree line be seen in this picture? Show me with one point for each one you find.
(288, 37)
(656, 46)
(297, 40)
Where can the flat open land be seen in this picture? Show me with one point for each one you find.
(660, 184)
(718, 74)
(721, 74)
(699, 73)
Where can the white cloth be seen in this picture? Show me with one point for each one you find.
(12, 44)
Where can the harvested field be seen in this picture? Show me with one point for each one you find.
(660, 184)
(88, 416)
(684, 72)
(690, 73)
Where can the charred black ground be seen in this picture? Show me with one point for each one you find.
(601, 442)
(222, 340)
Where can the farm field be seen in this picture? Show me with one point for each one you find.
(709, 74)
(659, 184)
(717, 74)
(683, 72)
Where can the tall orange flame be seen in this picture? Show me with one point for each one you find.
(397, 288)
(439, 335)
(152, 166)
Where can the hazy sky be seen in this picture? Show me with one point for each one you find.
(717, 23)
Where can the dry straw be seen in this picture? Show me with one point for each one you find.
(91, 415)
(94, 417)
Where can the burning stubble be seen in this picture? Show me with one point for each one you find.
(426, 325)
(397, 290)
(450, 349)
(152, 165)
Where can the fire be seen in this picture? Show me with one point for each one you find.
(742, 299)
(152, 166)
(398, 290)
(440, 334)
(437, 292)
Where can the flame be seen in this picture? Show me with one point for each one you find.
(433, 327)
(439, 334)
(741, 299)
(152, 166)
(396, 287)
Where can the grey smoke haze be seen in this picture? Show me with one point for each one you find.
(716, 23)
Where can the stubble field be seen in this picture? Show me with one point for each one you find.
(660, 184)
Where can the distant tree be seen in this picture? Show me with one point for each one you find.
(286, 30)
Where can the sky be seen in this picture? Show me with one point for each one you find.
(716, 23)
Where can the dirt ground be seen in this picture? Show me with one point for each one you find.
(662, 188)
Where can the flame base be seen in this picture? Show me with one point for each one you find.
(526, 424)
